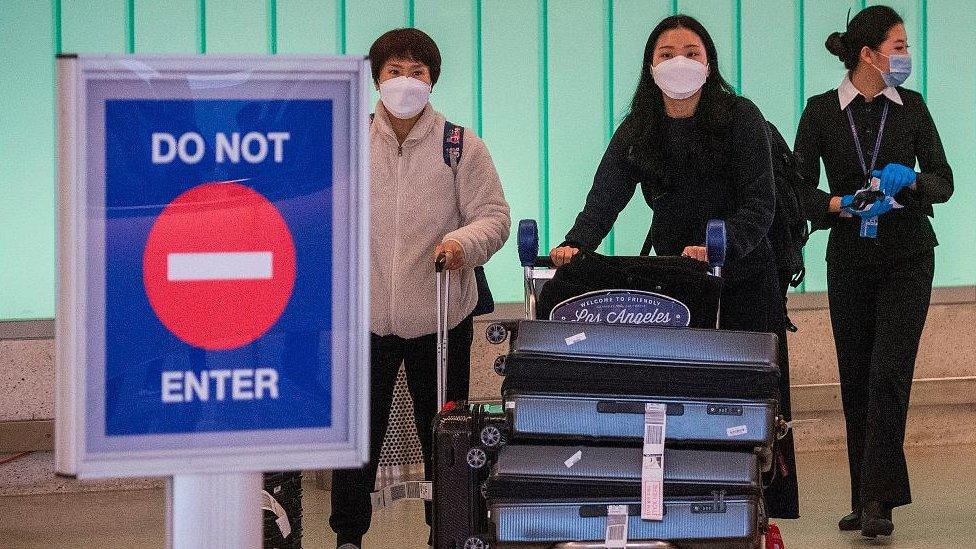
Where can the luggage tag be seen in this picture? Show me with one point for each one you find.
(652, 465)
(411, 489)
(616, 526)
(426, 490)
(269, 503)
(378, 499)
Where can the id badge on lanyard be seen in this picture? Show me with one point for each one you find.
(869, 225)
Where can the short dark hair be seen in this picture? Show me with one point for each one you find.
(405, 44)
(870, 27)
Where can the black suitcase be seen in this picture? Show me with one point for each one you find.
(680, 278)
(550, 471)
(466, 441)
(282, 504)
(588, 358)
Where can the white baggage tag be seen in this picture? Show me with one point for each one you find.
(426, 490)
(396, 492)
(573, 459)
(284, 526)
(377, 499)
(616, 526)
(737, 431)
(576, 338)
(652, 465)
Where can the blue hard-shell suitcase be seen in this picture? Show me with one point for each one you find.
(707, 522)
(581, 417)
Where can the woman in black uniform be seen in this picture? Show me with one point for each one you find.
(879, 255)
(699, 153)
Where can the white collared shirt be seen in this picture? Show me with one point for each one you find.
(846, 92)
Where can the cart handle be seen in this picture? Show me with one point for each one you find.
(440, 262)
(528, 242)
(715, 243)
(544, 261)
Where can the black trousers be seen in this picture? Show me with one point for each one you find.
(754, 302)
(877, 314)
(351, 488)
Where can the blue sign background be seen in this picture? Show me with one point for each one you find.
(138, 347)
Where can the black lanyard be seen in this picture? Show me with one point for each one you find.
(877, 144)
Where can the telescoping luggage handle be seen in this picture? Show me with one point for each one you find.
(443, 290)
(528, 249)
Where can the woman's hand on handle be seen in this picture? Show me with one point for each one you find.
(453, 254)
(562, 255)
(696, 252)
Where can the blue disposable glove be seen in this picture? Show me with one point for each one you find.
(894, 178)
(879, 208)
(846, 201)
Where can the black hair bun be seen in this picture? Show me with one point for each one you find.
(835, 45)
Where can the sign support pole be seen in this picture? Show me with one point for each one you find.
(216, 511)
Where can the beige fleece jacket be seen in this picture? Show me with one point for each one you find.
(415, 205)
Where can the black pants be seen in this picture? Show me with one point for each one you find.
(877, 314)
(754, 302)
(351, 488)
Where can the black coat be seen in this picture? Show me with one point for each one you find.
(735, 185)
(909, 134)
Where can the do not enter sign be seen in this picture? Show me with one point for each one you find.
(219, 266)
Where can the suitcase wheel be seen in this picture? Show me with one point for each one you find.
(500, 365)
(477, 458)
(474, 542)
(496, 333)
(491, 436)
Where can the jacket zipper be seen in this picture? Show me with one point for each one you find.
(396, 241)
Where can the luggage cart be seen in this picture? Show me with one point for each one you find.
(537, 270)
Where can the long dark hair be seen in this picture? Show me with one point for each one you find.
(642, 126)
(870, 27)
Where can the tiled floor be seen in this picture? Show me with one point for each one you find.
(942, 517)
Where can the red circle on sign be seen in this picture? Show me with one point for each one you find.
(219, 266)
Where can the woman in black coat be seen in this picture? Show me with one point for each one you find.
(880, 256)
(699, 152)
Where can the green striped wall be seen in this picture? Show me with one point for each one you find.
(543, 81)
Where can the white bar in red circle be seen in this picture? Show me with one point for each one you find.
(200, 266)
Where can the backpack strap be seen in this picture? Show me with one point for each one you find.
(453, 145)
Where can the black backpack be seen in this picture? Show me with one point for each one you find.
(790, 230)
(452, 149)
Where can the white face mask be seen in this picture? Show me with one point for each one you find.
(679, 77)
(404, 97)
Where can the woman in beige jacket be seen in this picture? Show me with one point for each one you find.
(421, 207)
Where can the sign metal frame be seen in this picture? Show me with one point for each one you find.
(74, 354)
